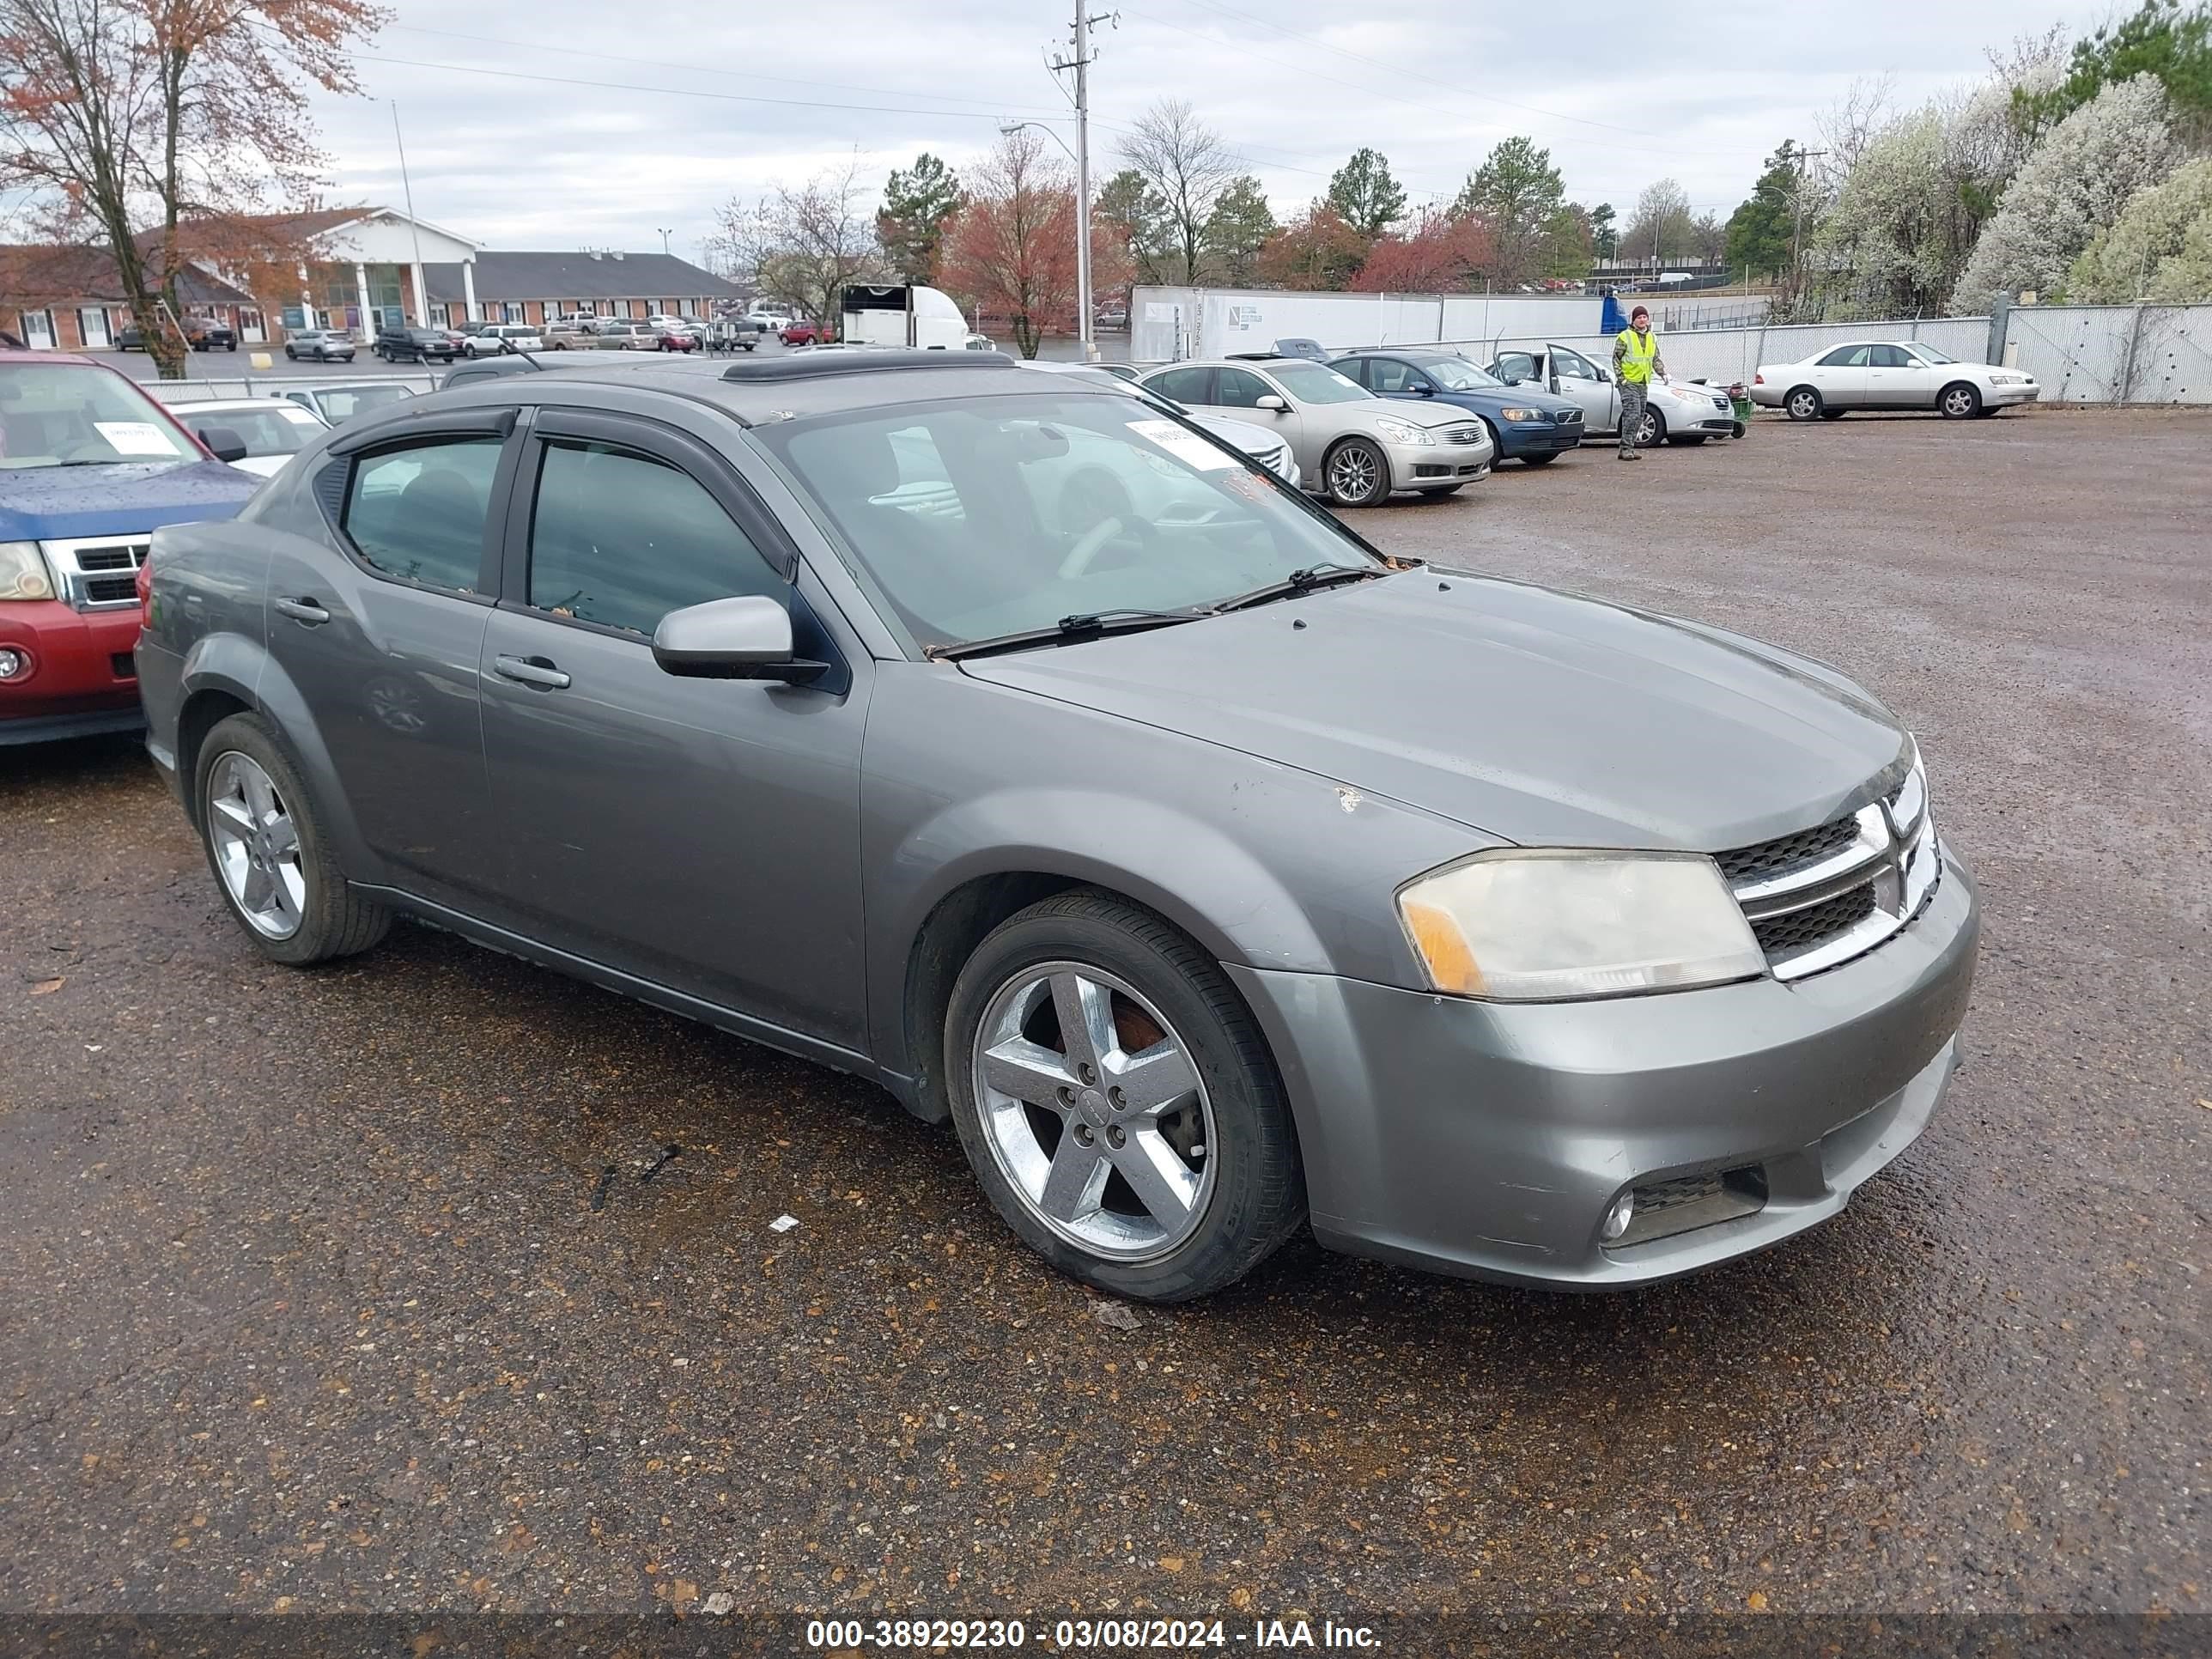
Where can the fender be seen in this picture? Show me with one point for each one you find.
(243, 668)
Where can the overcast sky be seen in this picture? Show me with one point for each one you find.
(559, 124)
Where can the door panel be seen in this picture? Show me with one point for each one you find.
(1575, 376)
(1841, 378)
(385, 656)
(1237, 394)
(701, 834)
(1898, 379)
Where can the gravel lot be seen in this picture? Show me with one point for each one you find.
(310, 1304)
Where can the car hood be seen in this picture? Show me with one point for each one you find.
(1414, 411)
(46, 503)
(1240, 434)
(1537, 716)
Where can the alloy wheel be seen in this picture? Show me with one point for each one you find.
(1804, 405)
(1093, 1108)
(257, 846)
(1959, 402)
(1647, 431)
(1352, 475)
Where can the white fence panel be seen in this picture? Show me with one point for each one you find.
(2114, 354)
(1170, 323)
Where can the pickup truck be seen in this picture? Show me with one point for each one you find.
(90, 467)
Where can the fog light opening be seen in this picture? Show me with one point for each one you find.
(1618, 1218)
(14, 665)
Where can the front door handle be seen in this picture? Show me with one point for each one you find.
(531, 670)
(303, 610)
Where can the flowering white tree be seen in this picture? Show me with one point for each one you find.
(2073, 186)
(2142, 256)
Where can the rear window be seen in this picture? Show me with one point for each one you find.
(74, 415)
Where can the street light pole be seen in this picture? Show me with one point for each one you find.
(664, 236)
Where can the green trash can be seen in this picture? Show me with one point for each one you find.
(1739, 395)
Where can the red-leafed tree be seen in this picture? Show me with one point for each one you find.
(1010, 248)
(1440, 254)
(164, 131)
(1317, 250)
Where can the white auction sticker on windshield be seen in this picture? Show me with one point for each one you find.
(136, 438)
(1185, 445)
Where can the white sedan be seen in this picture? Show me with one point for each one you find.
(1888, 375)
(273, 431)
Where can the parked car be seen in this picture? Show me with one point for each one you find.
(621, 335)
(768, 322)
(1888, 375)
(567, 334)
(89, 465)
(1262, 444)
(732, 334)
(320, 345)
(494, 338)
(675, 338)
(1674, 411)
(416, 345)
(1525, 425)
(1158, 873)
(201, 334)
(342, 401)
(807, 333)
(271, 429)
(1350, 445)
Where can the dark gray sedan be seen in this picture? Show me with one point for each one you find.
(1013, 743)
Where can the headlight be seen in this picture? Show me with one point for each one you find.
(1520, 415)
(23, 572)
(1517, 925)
(1398, 432)
(2007, 379)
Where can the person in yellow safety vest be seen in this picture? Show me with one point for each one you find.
(1635, 359)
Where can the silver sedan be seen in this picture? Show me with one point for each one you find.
(1352, 446)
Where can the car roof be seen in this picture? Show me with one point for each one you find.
(223, 406)
(11, 354)
(761, 390)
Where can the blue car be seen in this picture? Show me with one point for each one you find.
(1526, 424)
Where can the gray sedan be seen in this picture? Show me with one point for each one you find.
(1352, 446)
(1017, 747)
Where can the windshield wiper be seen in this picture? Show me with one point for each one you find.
(1087, 625)
(1303, 581)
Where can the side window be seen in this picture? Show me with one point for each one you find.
(1238, 388)
(418, 513)
(1890, 356)
(1572, 368)
(1846, 357)
(621, 539)
(1517, 366)
(1387, 375)
(1185, 386)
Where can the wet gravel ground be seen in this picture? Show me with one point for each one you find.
(351, 1288)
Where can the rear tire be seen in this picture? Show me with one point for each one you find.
(1241, 1186)
(1804, 403)
(326, 917)
(1357, 473)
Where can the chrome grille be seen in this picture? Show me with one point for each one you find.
(1818, 897)
(1461, 434)
(1721, 402)
(99, 573)
(1567, 418)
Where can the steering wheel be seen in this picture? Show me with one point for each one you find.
(1077, 562)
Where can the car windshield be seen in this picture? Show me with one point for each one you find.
(1317, 383)
(343, 403)
(1456, 374)
(273, 428)
(971, 519)
(1929, 354)
(76, 415)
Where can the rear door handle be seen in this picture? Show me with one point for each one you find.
(531, 670)
(303, 610)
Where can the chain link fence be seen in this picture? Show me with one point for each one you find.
(2114, 354)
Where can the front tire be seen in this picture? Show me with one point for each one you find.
(1804, 403)
(1357, 473)
(1651, 430)
(1151, 1153)
(1959, 402)
(270, 853)
(290, 354)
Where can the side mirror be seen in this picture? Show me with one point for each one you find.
(745, 638)
(1272, 403)
(225, 444)
(1424, 389)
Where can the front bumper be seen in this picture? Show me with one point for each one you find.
(1438, 466)
(1491, 1139)
(82, 679)
(2004, 397)
(1519, 438)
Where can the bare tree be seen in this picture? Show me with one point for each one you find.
(166, 131)
(1187, 167)
(802, 247)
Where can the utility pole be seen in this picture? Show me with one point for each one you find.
(1080, 62)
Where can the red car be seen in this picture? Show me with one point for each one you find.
(807, 334)
(89, 465)
(679, 339)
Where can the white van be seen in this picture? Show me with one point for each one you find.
(902, 314)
